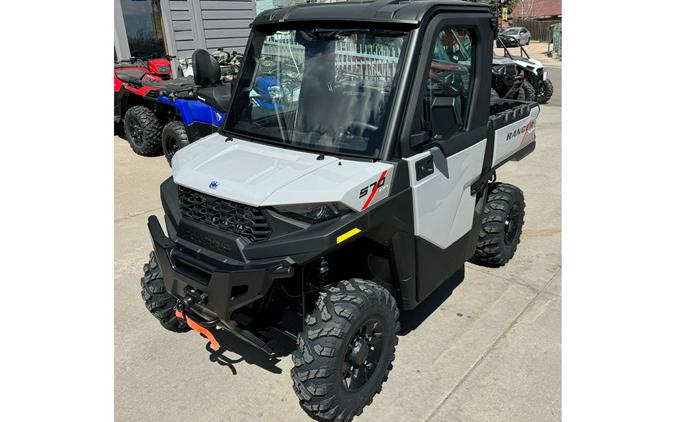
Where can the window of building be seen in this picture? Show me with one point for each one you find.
(143, 23)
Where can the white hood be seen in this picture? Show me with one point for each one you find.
(258, 174)
(524, 61)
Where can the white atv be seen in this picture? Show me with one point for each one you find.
(324, 214)
(536, 84)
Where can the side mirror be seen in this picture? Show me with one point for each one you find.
(446, 116)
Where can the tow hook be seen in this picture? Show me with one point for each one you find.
(193, 296)
(198, 328)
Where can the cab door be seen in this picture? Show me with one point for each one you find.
(447, 139)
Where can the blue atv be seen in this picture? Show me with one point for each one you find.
(198, 110)
(188, 108)
(203, 111)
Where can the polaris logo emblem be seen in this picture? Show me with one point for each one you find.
(205, 240)
(520, 131)
(213, 185)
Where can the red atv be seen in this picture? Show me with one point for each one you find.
(135, 68)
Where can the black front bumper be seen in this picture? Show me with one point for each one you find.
(210, 289)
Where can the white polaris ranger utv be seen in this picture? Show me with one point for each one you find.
(355, 173)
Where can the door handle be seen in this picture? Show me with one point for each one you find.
(424, 167)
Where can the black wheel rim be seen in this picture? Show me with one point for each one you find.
(511, 225)
(135, 131)
(363, 354)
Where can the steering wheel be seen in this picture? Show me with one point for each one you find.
(449, 82)
(356, 128)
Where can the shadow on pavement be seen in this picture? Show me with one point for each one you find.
(283, 346)
(229, 343)
(410, 320)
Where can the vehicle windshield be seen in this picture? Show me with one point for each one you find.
(323, 90)
(512, 31)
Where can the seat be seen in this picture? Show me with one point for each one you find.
(208, 78)
(128, 75)
(172, 85)
(216, 96)
(206, 68)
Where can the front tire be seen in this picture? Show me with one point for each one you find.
(501, 226)
(545, 92)
(142, 129)
(346, 350)
(174, 137)
(157, 300)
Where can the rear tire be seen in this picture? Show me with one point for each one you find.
(157, 300)
(142, 130)
(346, 350)
(174, 137)
(529, 93)
(501, 226)
(545, 92)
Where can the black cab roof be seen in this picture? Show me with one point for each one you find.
(408, 12)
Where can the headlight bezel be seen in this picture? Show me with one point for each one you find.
(313, 213)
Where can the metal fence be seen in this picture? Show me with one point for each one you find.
(370, 62)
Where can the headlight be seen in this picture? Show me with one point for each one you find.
(314, 213)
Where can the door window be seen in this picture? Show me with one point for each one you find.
(444, 108)
(143, 23)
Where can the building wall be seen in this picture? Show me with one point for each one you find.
(208, 24)
(192, 24)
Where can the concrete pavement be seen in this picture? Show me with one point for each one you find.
(487, 349)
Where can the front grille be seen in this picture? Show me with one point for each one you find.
(222, 214)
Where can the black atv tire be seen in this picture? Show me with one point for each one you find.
(143, 131)
(545, 92)
(521, 96)
(157, 300)
(333, 377)
(174, 137)
(501, 226)
(529, 91)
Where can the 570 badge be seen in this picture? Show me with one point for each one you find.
(364, 190)
(372, 188)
